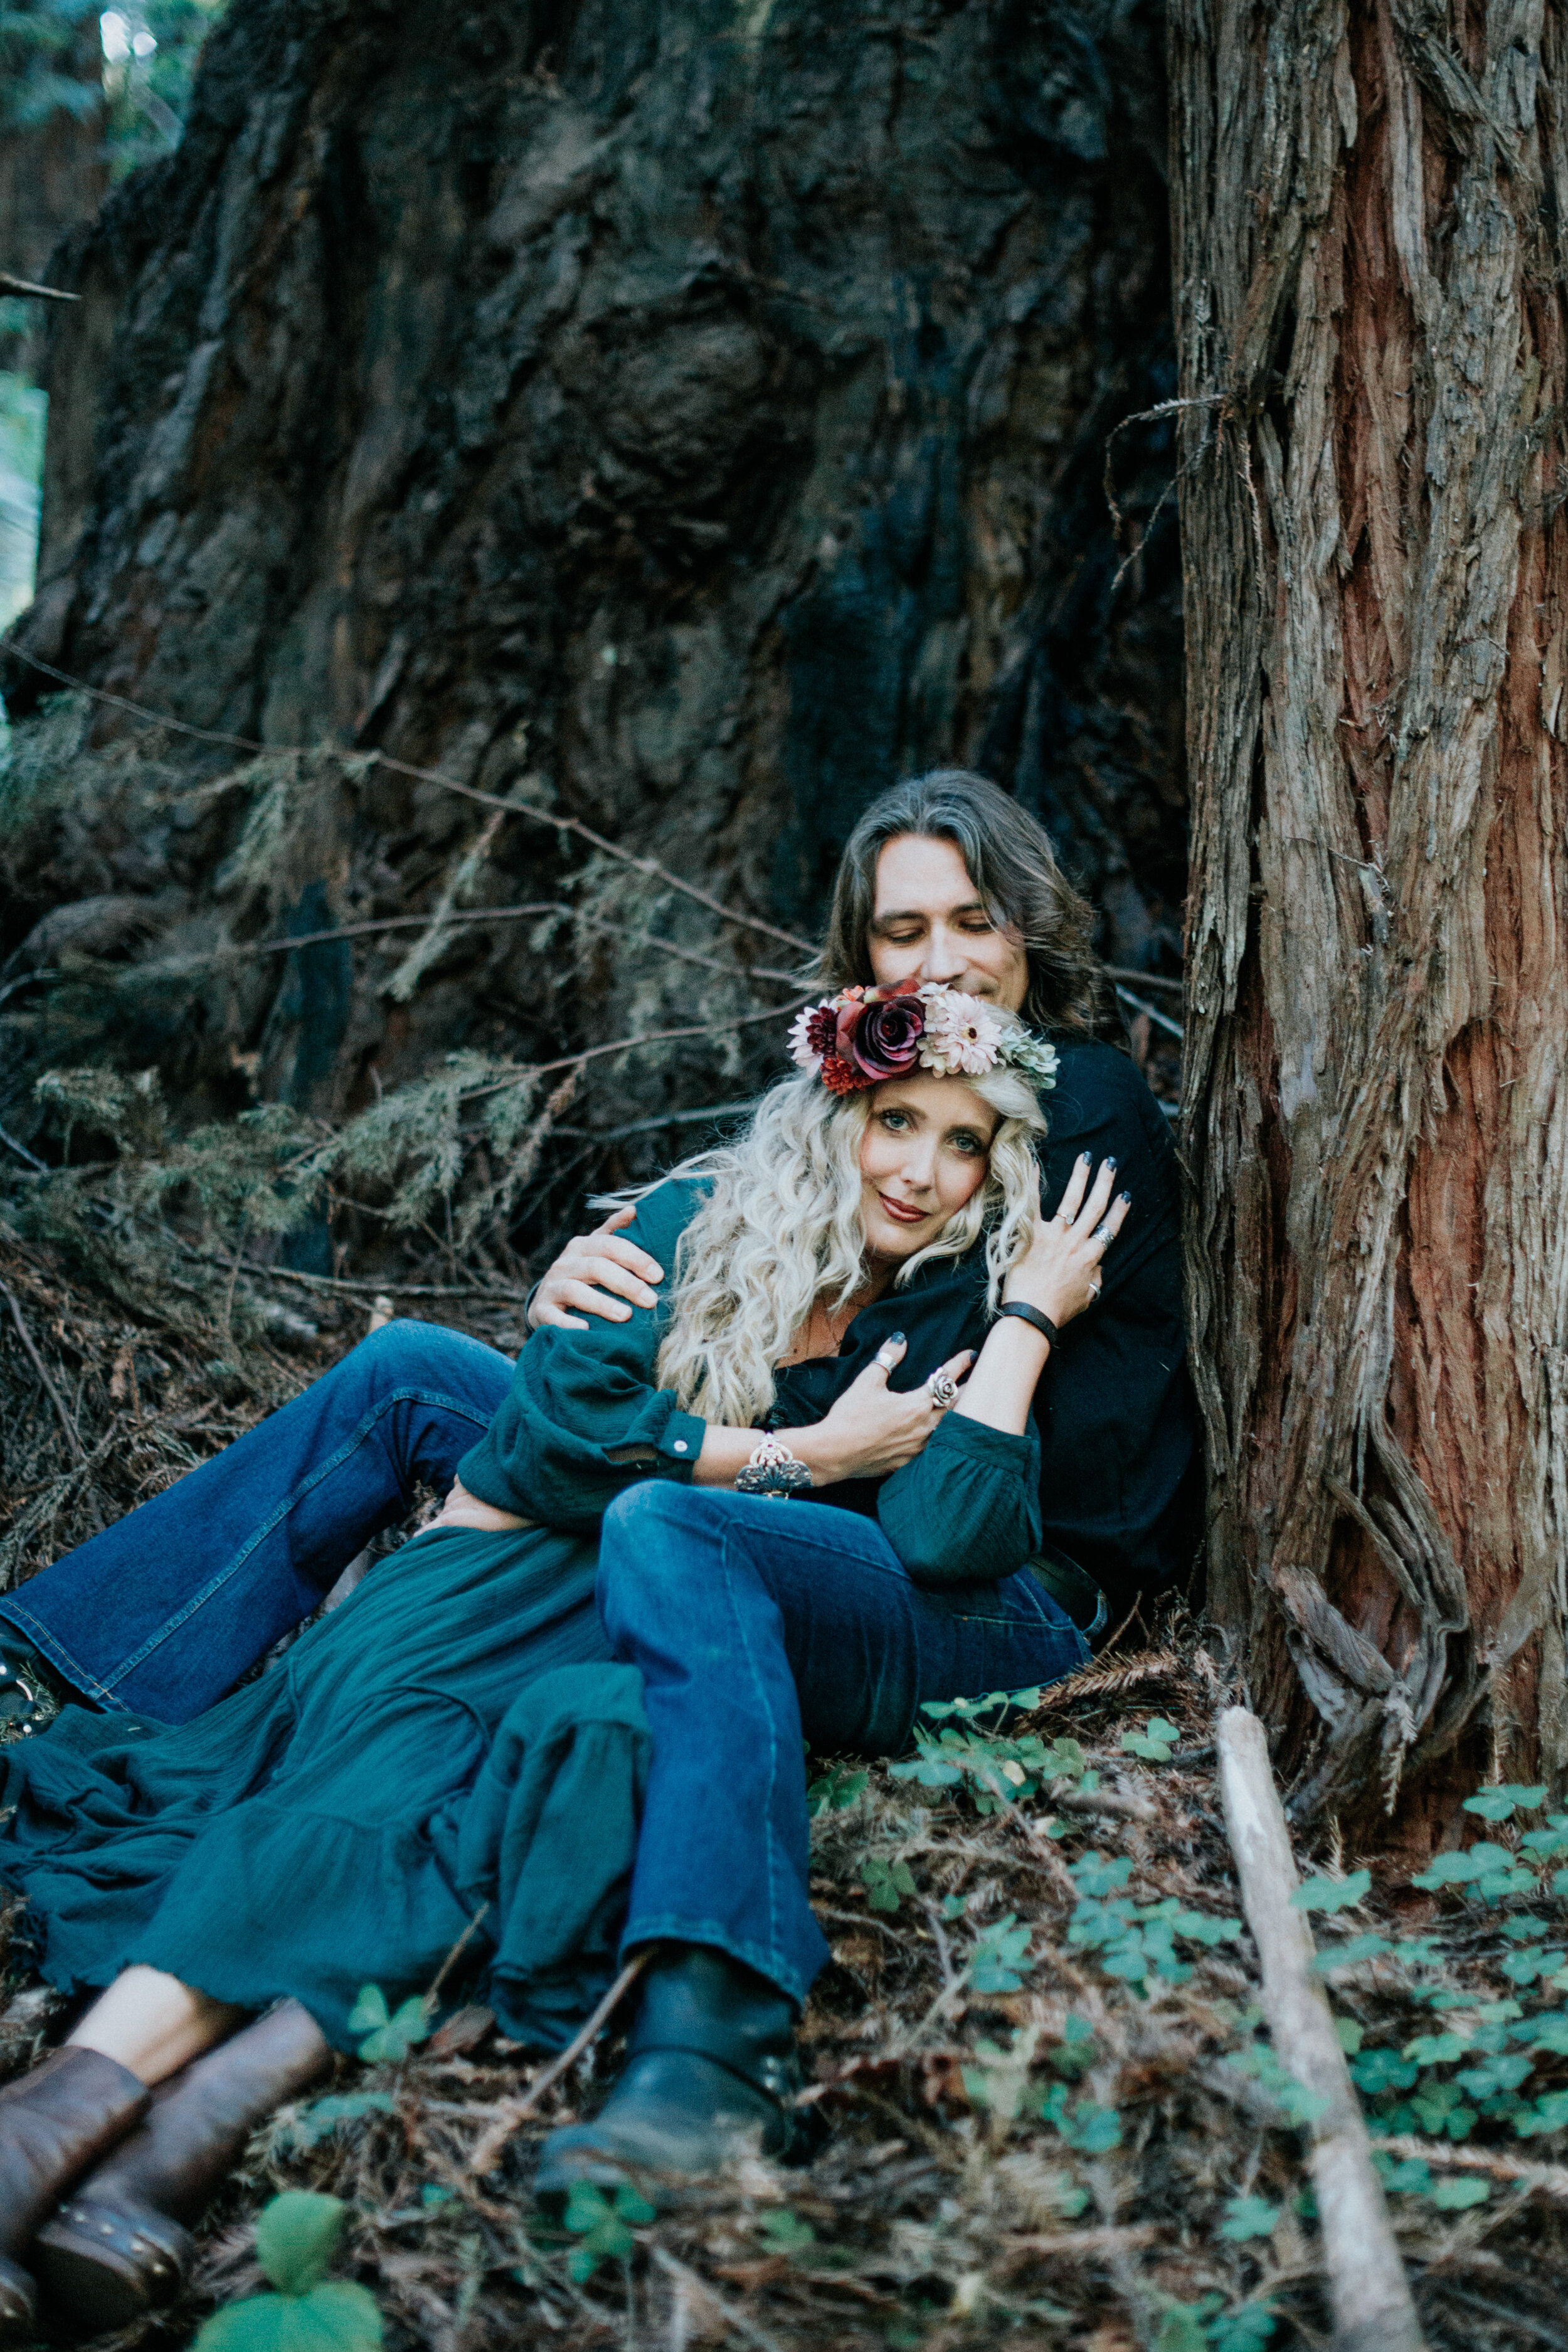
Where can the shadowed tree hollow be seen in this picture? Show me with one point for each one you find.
(1370, 204)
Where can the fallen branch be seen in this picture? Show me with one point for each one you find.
(1368, 2291)
(73, 1438)
(1551, 2180)
(31, 293)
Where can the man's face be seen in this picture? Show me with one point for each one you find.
(929, 924)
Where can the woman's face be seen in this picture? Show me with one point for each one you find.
(929, 923)
(925, 1154)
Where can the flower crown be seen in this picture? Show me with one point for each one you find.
(863, 1035)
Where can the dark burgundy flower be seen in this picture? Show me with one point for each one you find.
(884, 1041)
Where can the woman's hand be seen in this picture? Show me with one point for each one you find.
(1059, 1271)
(594, 1273)
(872, 1430)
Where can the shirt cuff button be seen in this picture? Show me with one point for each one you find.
(680, 1446)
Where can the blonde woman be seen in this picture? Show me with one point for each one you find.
(782, 1537)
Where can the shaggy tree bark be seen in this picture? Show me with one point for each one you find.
(696, 415)
(1370, 208)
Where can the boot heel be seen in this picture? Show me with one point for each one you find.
(110, 2264)
(117, 2247)
(54, 2123)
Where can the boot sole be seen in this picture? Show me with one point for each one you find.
(18, 2304)
(98, 2285)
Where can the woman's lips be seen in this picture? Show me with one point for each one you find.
(900, 1212)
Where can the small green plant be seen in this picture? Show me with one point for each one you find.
(1156, 1743)
(604, 2229)
(1249, 2217)
(1501, 1802)
(296, 2236)
(836, 1791)
(1206, 2327)
(388, 2037)
(1333, 1894)
(999, 1951)
(323, 2116)
(1485, 1869)
(885, 1882)
(785, 2232)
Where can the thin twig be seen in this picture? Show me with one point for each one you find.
(519, 2110)
(445, 1971)
(572, 824)
(1551, 2180)
(1150, 1012)
(720, 2305)
(28, 292)
(72, 1437)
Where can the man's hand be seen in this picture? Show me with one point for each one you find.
(595, 1274)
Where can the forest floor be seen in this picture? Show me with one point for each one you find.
(1052, 2118)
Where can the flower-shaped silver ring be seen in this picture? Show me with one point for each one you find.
(943, 1390)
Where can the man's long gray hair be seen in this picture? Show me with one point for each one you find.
(781, 1230)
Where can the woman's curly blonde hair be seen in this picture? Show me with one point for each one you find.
(780, 1229)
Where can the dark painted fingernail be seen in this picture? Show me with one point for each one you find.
(894, 1339)
(1085, 1157)
(1112, 1165)
(1127, 1200)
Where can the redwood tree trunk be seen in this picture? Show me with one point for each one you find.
(1369, 209)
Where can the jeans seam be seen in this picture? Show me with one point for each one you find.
(760, 1689)
(296, 1495)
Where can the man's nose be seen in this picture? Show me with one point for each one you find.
(944, 959)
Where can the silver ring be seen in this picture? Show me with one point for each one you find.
(1095, 1289)
(943, 1390)
(1103, 1234)
(887, 1354)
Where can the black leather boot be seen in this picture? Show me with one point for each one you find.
(54, 2122)
(31, 1693)
(711, 2076)
(117, 2247)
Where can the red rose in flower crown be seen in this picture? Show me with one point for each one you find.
(863, 1035)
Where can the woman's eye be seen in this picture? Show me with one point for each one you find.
(968, 1144)
(896, 1119)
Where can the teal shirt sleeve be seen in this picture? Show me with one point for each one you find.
(966, 1510)
(584, 1418)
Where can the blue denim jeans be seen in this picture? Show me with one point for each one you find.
(757, 1622)
(164, 1612)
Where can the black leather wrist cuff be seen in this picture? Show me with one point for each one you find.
(1042, 1323)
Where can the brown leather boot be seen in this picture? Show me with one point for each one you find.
(117, 2248)
(54, 2123)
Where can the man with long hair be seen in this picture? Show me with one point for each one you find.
(944, 880)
